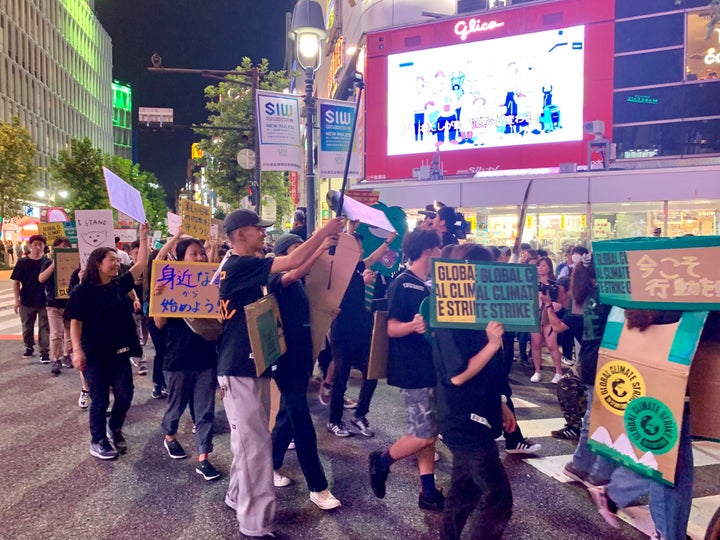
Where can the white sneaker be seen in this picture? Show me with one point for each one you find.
(280, 481)
(537, 377)
(556, 378)
(324, 500)
(291, 446)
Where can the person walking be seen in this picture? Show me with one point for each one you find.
(30, 299)
(104, 338)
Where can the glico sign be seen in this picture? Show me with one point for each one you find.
(465, 28)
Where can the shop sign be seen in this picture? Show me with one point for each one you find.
(464, 27)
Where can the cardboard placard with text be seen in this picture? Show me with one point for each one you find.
(471, 294)
(66, 260)
(659, 273)
(195, 219)
(379, 347)
(637, 408)
(94, 229)
(188, 290)
(265, 330)
(51, 231)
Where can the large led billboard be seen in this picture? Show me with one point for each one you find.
(515, 90)
(503, 89)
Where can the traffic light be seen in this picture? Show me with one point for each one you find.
(254, 193)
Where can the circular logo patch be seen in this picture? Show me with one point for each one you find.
(650, 425)
(617, 383)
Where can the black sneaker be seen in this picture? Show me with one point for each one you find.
(363, 426)
(117, 440)
(159, 392)
(523, 447)
(44, 358)
(339, 429)
(433, 505)
(103, 450)
(568, 432)
(378, 477)
(29, 352)
(175, 449)
(66, 361)
(207, 471)
(56, 368)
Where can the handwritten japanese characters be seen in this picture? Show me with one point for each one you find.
(185, 289)
(195, 219)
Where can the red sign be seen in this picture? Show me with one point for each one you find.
(364, 196)
(294, 187)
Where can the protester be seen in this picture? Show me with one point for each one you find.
(190, 371)
(141, 319)
(292, 373)
(242, 276)
(84, 397)
(546, 282)
(443, 223)
(410, 368)
(299, 227)
(30, 299)
(104, 338)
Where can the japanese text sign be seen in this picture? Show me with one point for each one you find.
(187, 290)
(66, 260)
(469, 295)
(648, 273)
(51, 231)
(195, 219)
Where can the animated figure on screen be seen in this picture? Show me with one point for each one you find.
(464, 112)
(420, 105)
(514, 122)
(443, 117)
(550, 117)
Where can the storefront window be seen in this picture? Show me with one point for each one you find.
(702, 53)
(699, 218)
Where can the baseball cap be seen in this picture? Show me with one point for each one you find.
(284, 241)
(244, 217)
(429, 211)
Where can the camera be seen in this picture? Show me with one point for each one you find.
(460, 227)
(550, 288)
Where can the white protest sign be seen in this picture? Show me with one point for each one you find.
(124, 197)
(126, 236)
(94, 229)
(356, 211)
(214, 231)
(173, 222)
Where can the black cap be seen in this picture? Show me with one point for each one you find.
(283, 243)
(244, 218)
(429, 211)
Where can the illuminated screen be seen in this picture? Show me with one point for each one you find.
(509, 91)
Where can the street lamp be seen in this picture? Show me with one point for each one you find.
(308, 31)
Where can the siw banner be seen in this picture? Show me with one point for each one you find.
(336, 123)
(279, 128)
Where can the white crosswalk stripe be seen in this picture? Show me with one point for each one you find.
(705, 453)
(9, 320)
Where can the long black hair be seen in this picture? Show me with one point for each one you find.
(92, 272)
(183, 245)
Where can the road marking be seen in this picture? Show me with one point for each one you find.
(520, 403)
(541, 427)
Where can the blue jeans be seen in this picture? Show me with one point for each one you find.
(596, 466)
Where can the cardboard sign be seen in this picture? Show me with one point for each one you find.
(188, 291)
(124, 197)
(640, 383)
(123, 220)
(659, 273)
(265, 329)
(325, 286)
(470, 295)
(71, 232)
(126, 236)
(704, 386)
(195, 219)
(361, 212)
(51, 231)
(66, 260)
(95, 229)
(379, 347)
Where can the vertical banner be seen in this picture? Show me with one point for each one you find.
(278, 121)
(336, 123)
(294, 188)
(95, 229)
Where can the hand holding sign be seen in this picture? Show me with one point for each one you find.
(495, 331)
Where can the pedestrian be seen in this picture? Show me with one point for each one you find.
(444, 224)
(546, 335)
(410, 368)
(242, 276)
(190, 370)
(104, 338)
(292, 373)
(60, 342)
(2, 253)
(30, 299)
(84, 397)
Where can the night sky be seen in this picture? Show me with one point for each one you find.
(212, 34)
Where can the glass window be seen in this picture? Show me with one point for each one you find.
(649, 33)
(633, 8)
(648, 104)
(702, 49)
(648, 68)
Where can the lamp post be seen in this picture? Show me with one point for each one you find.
(308, 31)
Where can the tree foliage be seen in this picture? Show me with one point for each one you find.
(231, 105)
(18, 171)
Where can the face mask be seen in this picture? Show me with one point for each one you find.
(576, 258)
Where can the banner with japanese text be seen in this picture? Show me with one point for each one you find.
(184, 289)
(278, 121)
(196, 219)
(336, 126)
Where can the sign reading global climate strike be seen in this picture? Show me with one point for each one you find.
(469, 295)
(336, 124)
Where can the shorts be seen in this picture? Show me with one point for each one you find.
(421, 407)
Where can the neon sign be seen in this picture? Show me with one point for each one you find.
(465, 28)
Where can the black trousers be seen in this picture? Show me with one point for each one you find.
(100, 376)
(478, 482)
(158, 336)
(347, 354)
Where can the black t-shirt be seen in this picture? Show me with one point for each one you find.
(50, 299)
(105, 311)
(595, 317)
(185, 350)
(32, 292)
(448, 238)
(294, 368)
(354, 322)
(460, 407)
(241, 282)
(410, 363)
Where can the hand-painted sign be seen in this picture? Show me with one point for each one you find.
(195, 219)
(187, 290)
(51, 231)
(95, 229)
(66, 260)
(469, 295)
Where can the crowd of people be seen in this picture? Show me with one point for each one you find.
(454, 382)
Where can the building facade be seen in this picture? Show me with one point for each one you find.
(56, 74)
(122, 120)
